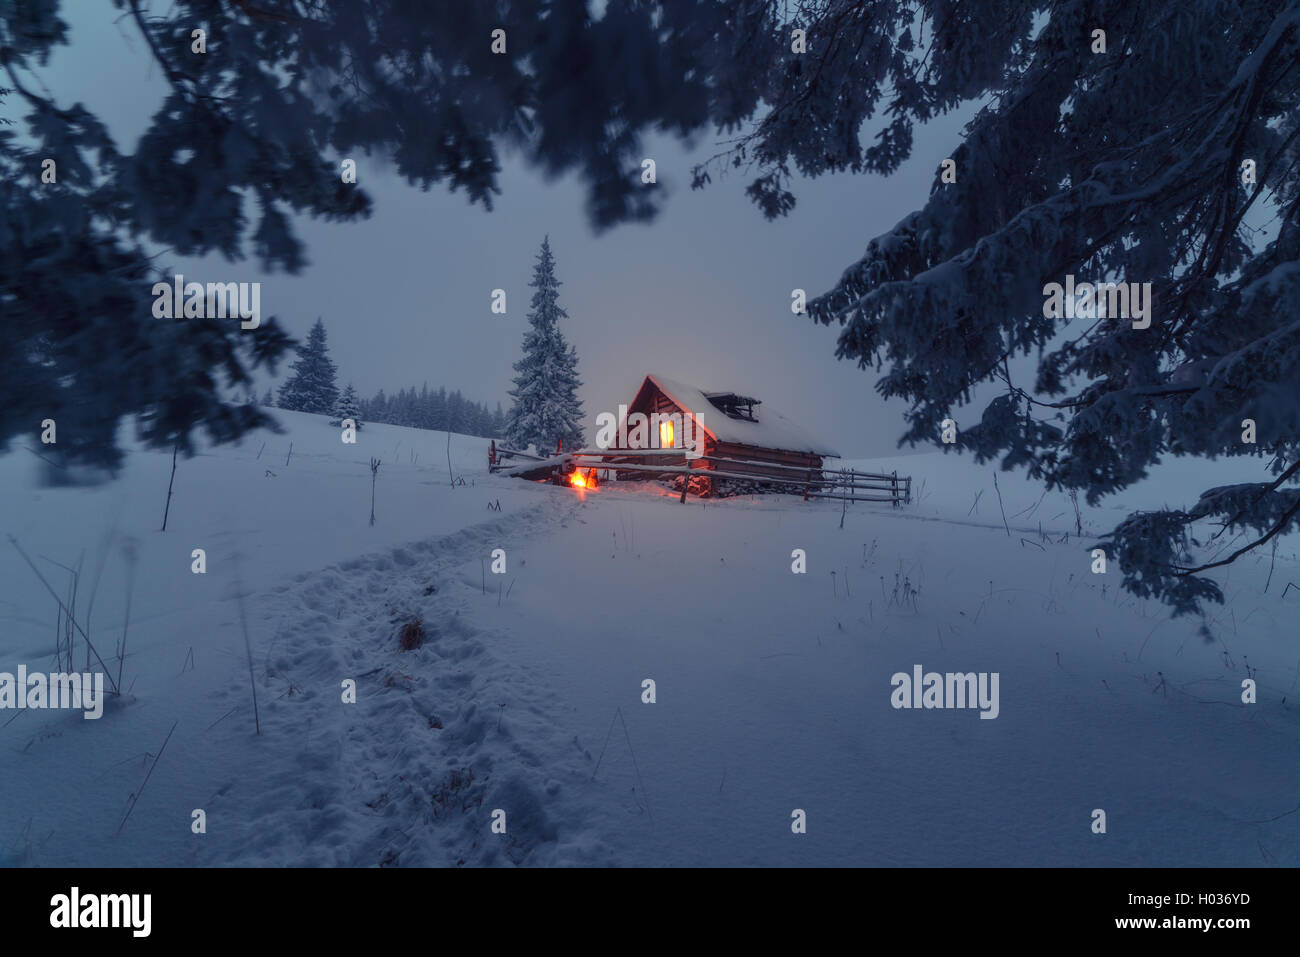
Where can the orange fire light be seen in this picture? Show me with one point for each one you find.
(666, 434)
(580, 479)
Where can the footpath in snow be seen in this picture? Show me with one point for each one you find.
(772, 689)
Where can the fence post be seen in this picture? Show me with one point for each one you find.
(686, 483)
(853, 486)
(893, 489)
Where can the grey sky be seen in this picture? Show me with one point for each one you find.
(701, 294)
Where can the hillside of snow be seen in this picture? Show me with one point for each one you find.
(772, 690)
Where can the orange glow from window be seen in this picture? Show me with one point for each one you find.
(666, 440)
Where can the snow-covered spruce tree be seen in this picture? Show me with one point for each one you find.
(348, 406)
(312, 386)
(1096, 158)
(546, 409)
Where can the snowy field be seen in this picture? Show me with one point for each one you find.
(773, 689)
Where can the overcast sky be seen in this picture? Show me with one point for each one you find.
(701, 294)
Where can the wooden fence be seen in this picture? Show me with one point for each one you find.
(848, 485)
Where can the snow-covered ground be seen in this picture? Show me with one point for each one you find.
(772, 689)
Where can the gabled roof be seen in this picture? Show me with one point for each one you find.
(772, 430)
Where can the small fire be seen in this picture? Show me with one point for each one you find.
(580, 479)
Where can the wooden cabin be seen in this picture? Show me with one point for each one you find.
(738, 434)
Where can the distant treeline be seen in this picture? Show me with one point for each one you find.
(444, 411)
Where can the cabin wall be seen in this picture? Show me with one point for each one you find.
(761, 456)
(648, 402)
(656, 402)
(651, 400)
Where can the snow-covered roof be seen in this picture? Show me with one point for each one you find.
(771, 431)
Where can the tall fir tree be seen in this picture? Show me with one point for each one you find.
(312, 386)
(546, 410)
